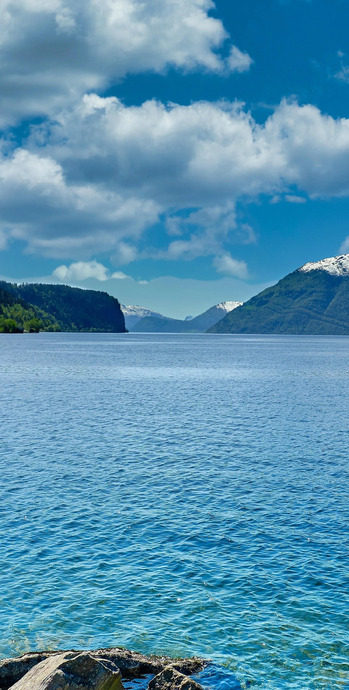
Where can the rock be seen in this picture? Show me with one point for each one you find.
(188, 666)
(170, 679)
(130, 664)
(133, 664)
(71, 671)
(11, 670)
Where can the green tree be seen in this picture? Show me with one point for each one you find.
(33, 325)
(8, 326)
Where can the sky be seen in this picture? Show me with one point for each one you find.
(174, 153)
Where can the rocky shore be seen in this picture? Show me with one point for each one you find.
(102, 669)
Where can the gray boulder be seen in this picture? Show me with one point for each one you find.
(71, 671)
(11, 670)
(170, 679)
(135, 665)
(130, 664)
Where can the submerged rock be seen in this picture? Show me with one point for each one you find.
(71, 671)
(170, 679)
(130, 664)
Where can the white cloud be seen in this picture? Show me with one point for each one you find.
(312, 149)
(208, 228)
(81, 270)
(294, 199)
(61, 219)
(225, 263)
(124, 254)
(58, 49)
(119, 275)
(101, 175)
(239, 61)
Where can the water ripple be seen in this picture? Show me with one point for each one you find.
(179, 495)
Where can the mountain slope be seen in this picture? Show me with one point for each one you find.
(314, 299)
(25, 316)
(213, 315)
(199, 324)
(133, 314)
(72, 309)
(151, 324)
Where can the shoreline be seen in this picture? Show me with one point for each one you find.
(116, 666)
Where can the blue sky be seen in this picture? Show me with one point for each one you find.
(175, 153)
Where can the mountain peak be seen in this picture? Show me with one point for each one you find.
(135, 310)
(228, 306)
(335, 265)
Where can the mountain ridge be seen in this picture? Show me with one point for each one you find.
(134, 313)
(312, 300)
(66, 308)
(198, 324)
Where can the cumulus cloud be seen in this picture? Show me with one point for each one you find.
(58, 49)
(225, 263)
(62, 219)
(315, 147)
(81, 270)
(102, 174)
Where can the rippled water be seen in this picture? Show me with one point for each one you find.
(180, 495)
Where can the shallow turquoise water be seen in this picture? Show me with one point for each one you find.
(179, 495)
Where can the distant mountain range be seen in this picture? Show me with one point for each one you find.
(58, 307)
(313, 300)
(161, 324)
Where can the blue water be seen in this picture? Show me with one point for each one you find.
(179, 495)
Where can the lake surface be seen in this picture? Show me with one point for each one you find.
(180, 495)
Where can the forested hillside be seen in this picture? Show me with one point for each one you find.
(309, 303)
(60, 307)
(16, 315)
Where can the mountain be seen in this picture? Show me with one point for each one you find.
(313, 300)
(199, 324)
(67, 308)
(133, 314)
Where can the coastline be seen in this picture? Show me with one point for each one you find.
(100, 669)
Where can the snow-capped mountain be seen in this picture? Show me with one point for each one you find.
(335, 265)
(313, 300)
(133, 313)
(228, 306)
(199, 324)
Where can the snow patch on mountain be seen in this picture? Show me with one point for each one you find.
(228, 306)
(133, 313)
(335, 265)
(135, 310)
